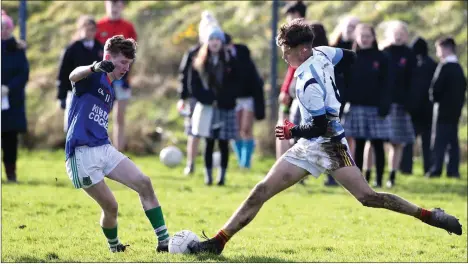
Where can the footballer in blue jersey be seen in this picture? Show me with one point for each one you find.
(322, 147)
(90, 155)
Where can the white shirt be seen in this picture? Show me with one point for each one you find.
(316, 90)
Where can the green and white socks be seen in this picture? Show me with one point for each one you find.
(156, 218)
(112, 238)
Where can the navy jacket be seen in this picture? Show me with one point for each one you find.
(448, 88)
(251, 83)
(368, 84)
(224, 93)
(402, 64)
(75, 55)
(15, 75)
(185, 66)
(421, 108)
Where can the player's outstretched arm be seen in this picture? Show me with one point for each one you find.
(82, 72)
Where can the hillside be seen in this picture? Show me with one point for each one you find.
(167, 29)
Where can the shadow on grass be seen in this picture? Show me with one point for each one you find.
(50, 257)
(249, 259)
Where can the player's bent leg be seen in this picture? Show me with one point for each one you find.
(101, 193)
(351, 179)
(281, 176)
(127, 173)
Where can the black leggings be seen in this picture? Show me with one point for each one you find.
(10, 147)
(223, 148)
(378, 145)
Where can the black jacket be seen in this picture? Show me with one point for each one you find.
(184, 67)
(75, 55)
(15, 75)
(251, 83)
(421, 108)
(339, 76)
(368, 84)
(223, 95)
(402, 64)
(448, 88)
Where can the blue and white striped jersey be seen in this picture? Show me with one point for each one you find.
(316, 91)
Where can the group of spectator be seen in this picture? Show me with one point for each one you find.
(389, 98)
(221, 93)
(396, 92)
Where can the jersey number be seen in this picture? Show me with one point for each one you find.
(337, 93)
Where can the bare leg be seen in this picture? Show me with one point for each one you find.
(352, 145)
(119, 124)
(395, 156)
(129, 175)
(351, 179)
(281, 176)
(101, 193)
(246, 126)
(192, 152)
(368, 157)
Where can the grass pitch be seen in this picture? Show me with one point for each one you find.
(44, 219)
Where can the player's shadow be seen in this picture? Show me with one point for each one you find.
(50, 257)
(240, 259)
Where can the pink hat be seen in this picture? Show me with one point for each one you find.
(7, 20)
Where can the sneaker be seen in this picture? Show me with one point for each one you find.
(118, 248)
(163, 247)
(439, 218)
(210, 245)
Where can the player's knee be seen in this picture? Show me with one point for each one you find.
(368, 199)
(144, 185)
(111, 209)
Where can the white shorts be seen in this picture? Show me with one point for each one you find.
(121, 93)
(88, 165)
(245, 103)
(318, 158)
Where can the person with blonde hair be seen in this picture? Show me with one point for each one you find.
(402, 65)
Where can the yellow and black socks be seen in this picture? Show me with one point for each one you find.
(156, 218)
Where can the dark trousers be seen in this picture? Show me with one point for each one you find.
(446, 136)
(406, 164)
(378, 146)
(10, 153)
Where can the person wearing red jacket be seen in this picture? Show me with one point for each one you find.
(111, 25)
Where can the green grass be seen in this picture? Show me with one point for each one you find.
(46, 220)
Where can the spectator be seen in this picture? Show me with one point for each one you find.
(293, 10)
(185, 106)
(402, 65)
(84, 50)
(213, 82)
(421, 113)
(250, 101)
(186, 102)
(448, 90)
(111, 25)
(368, 94)
(15, 75)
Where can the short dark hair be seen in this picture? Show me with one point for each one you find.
(228, 38)
(295, 33)
(119, 44)
(296, 6)
(448, 43)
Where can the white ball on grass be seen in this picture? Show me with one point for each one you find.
(171, 156)
(178, 244)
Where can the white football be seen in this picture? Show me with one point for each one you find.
(171, 156)
(216, 159)
(180, 240)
